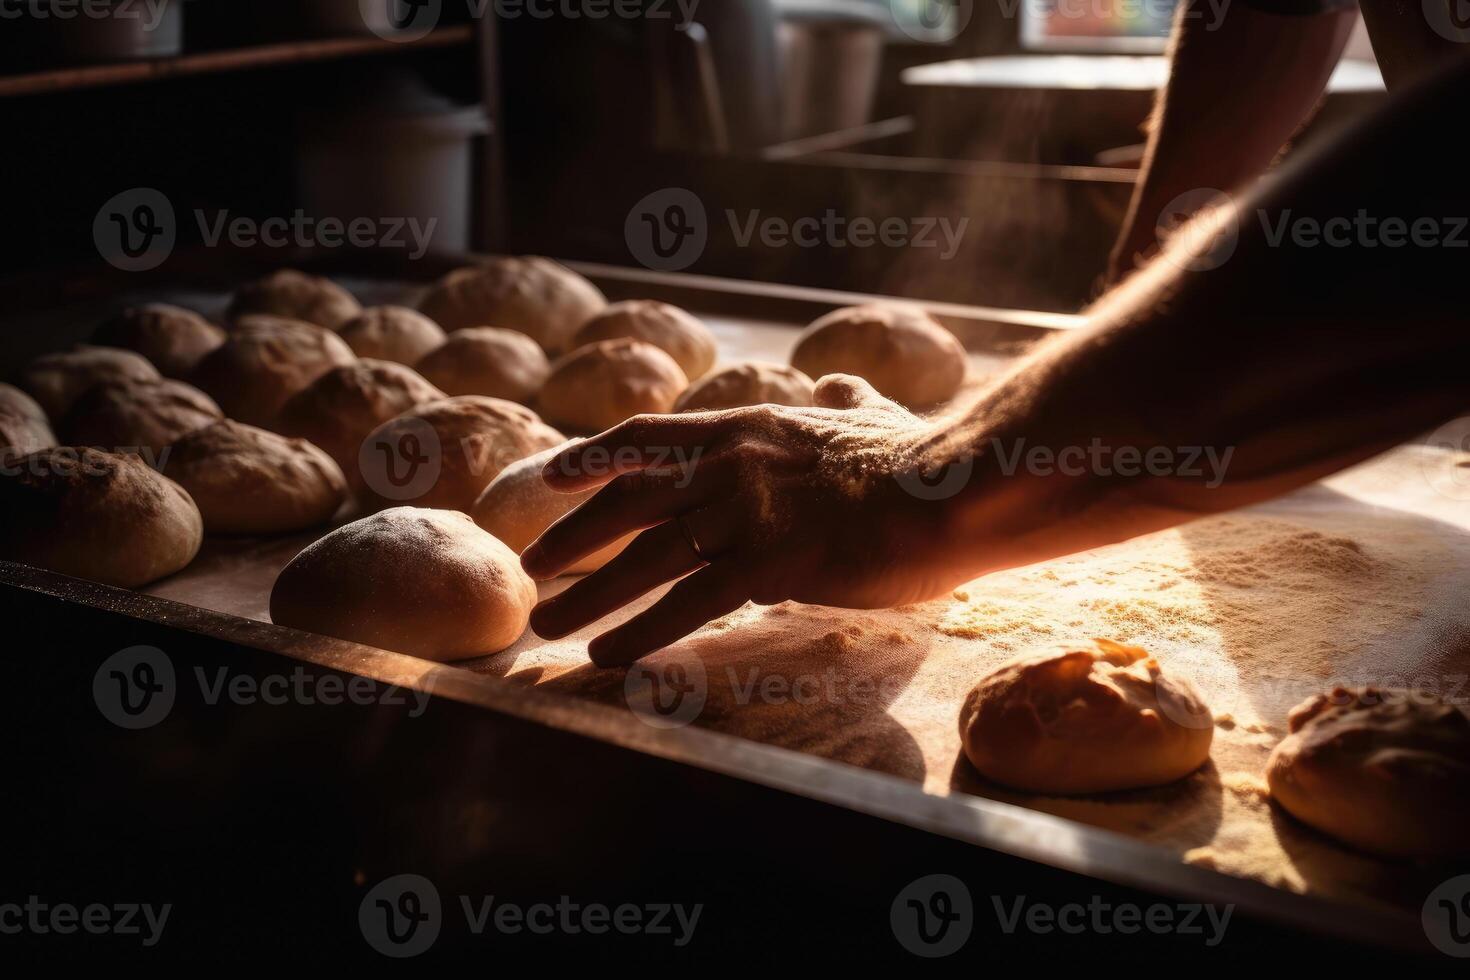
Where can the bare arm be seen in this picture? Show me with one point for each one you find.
(1241, 82)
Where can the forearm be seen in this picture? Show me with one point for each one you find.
(1241, 84)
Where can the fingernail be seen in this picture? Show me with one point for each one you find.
(532, 557)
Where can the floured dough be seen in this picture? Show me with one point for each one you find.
(541, 298)
(897, 348)
(94, 515)
(670, 329)
(265, 362)
(250, 481)
(429, 583)
(392, 333)
(23, 425)
(443, 454)
(595, 387)
(173, 338)
(1385, 770)
(750, 383)
(518, 505)
(1086, 718)
(138, 416)
(295, 296)
(57, 380)
(488, 361)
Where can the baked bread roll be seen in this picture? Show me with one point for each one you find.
(1384, 770)
(670, 329)
(338, 410)
(140, 417)
(294, 295)
(518, 505)
(95, 515)
(57, 380)
(392, 333)
(24, 428)
(488, 361)
(443, 454)
(595, 387)
(751, 383)
(250, 481)
(898, 349)
(1087, 718)
(428, 583)
(265, 362)
(172, 338)
(542, 299)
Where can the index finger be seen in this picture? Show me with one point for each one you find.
(641, 442)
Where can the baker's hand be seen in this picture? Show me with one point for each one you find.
(762, 504)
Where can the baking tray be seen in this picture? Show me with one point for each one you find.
(572, 778)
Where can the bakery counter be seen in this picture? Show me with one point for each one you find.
(817, 781)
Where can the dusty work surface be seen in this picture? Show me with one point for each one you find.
(1363, 579)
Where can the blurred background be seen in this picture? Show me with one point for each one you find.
(562, 127)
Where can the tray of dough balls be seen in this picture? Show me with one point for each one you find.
(1274, 694)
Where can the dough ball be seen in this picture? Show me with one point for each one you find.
(443, 454)
(428, 583)
(488, 361)
(24, 428)
(392, 333)
(1087, 718)
(338, 410)
(295, 295)
(172, 338)
(250, 481)
(518, 505)
(670, 329)
(265, 362)
(138, 416)
(542, 299)
(95, 515)
(1385, 770)
(751, 383)
(595, 387)
(57, 380)
(898, 349)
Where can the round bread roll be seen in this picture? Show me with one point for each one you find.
(751, 383)
(488, 361)
(295, 295)
(172, 338)
(392, 333)
(57, 380)
(140, 417)
(265, 362)
(24, 428)
(339, 409)
(1087, 718)
(670, 329)
(1385, 770)
(518, 505)
(539, 297)
(250, 481)
(428, 583)
(595, 387)
(443, 454)
(95, 515)
(898, 349)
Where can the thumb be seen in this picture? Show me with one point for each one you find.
(849, 391)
